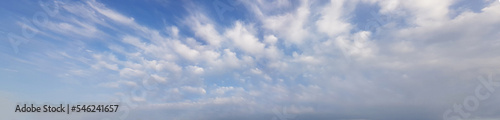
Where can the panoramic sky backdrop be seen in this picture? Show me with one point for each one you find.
(256, 59)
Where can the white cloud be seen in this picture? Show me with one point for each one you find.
(196, 70)
(170, 66)
(428, 12)
(305, 59)
(174, 31)
(196, 90)
(111, 14)
(291, 26)
(104, 64)
(333, 19)
(359, 45)
(158, 78)
(271, 39)
(204, 28)
(223, 90)
(243, 39)
(131, 73)
(134, 41)
(185, 51)
(72, 27)
(229, 59)
(403, 47)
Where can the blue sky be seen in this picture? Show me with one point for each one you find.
(262, 59)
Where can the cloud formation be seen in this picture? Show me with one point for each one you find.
(278, 60)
